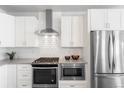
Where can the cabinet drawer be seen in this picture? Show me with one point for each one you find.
(24, 67)
(24, 75)
(73, 86)
(24, 85)
(68, 84)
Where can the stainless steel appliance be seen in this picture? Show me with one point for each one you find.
(45, 73)
(49, 31)
(107, 59)
(72, 71)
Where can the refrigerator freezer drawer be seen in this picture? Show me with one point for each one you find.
(109, 82)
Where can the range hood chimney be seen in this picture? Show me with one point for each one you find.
(48, 31)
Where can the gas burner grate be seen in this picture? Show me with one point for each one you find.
(47, 60)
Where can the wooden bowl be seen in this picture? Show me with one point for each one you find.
(67, 57)
(75, 57)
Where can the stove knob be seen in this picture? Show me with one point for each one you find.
(52, 80)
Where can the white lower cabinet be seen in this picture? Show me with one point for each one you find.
(11, 76)
(3, 76)
(72, 84)
(24, 76)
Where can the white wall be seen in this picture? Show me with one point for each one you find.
(47, 51)
(43, 52)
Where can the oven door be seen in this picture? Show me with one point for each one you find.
(73, 72)
(45, 77)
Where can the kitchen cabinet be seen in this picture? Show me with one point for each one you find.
(97, 19)
(8, 76)
(25, 32)
(24, 76)
(122, 19)
(11, 76)
(105, 19)
(3, 76)
(114, 19)
(72, 31)
(7, 30)
(72, 84)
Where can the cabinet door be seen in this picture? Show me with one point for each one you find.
(122, 19)
(24, 76)
(1, 83)
(114, 19)
(66, 31)
(77, 31)
(7, 30)
(30, 28)
(20, 32)
(3, 76)
(73, 84)
(11, 75)
(10, 31)
(97, 19)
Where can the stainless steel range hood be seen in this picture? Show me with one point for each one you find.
(48, 31)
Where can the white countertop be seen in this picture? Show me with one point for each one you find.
(30, 60)
(17, 61)
(72, 61)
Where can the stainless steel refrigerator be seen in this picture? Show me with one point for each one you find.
(107, 59)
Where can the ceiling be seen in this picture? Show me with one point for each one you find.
(37, 8)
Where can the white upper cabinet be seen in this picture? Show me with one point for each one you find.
(113, 19)
(7, 30)
(105, 19)
(31, 25)
(122, 19)
(72, 31)
(77, 31)
(97, 19)
(20, 32)
(66, 31)
(25, 32)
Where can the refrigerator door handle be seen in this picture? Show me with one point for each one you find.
(109, 76)
(109, 53)
(113, 64)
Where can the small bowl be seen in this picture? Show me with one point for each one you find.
(75, 57)
(67, 57)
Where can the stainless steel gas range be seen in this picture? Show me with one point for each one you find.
(45, 72)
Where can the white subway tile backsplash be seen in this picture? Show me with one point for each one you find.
(40, 52)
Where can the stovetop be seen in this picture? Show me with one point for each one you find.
(46, 60)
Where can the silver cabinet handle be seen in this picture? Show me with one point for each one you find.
(24, 42)
(107, 25)
(24, 85)
(25, 75)
(72, 85)
(71, 43)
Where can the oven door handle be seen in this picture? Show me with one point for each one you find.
(45, 67)
(72, 67)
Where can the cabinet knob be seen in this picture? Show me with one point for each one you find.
(72, 85)
(107, 25)
(24, 85)
(24, 42)
(71, 43)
